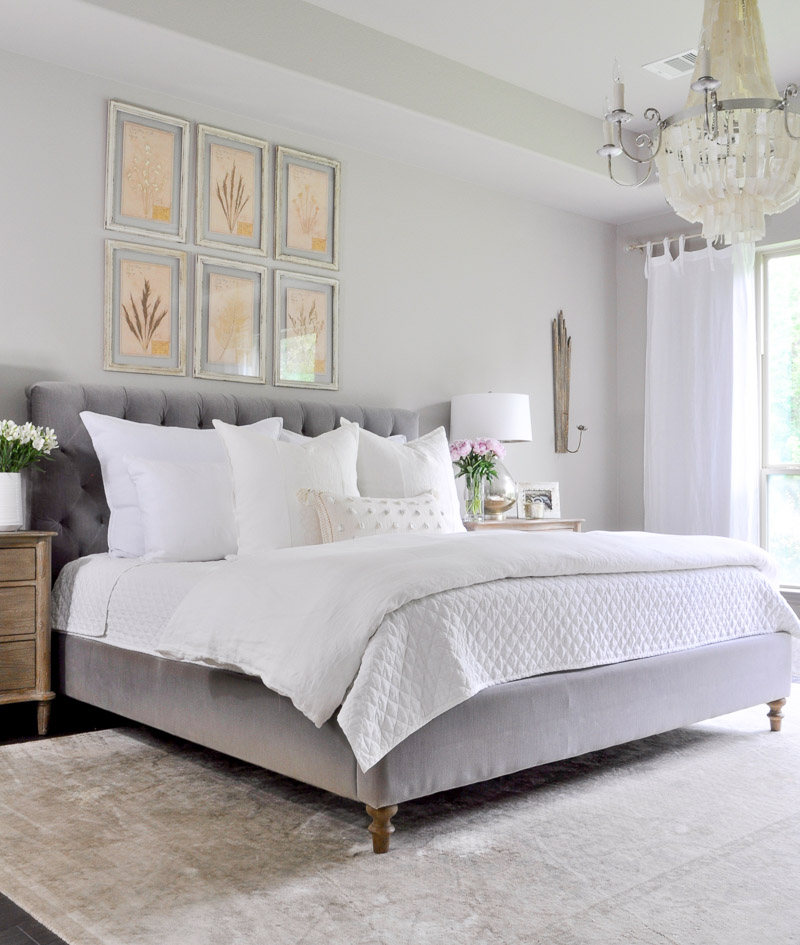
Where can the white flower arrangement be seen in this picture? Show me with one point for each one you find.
(23, 445)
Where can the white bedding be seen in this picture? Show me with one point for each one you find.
(125, 601)
(399, 629)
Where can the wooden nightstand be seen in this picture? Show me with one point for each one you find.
(25, 621)
(530, 524)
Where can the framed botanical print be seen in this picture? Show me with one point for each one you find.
(146, 172)
(230, 320)
(145, 309)
(231, 191)
(306, 331)
(307, 209)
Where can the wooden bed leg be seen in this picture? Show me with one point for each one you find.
(381, 827)
(775, 715)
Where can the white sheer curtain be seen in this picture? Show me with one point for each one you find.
(701, 462)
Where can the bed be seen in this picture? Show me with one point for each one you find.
(501, 729)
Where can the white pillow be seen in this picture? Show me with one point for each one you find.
(186, 509)
(268, 474)
(397, 471)
(345, 517)
(289, 436)
(118, 441)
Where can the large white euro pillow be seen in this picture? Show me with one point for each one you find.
(186, 510)
(268, 474)
(118, 441)
(403, 470)
(289, 436)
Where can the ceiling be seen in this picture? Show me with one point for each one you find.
(507, 95)
(565, 50)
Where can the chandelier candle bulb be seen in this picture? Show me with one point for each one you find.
(703, 56)
(618, 87)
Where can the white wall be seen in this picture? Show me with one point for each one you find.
(445, 287)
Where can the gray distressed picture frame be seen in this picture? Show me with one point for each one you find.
(136, 313)
(227, 201)
(295, 353)
(137, 172)
(302, 233)
(234, 317)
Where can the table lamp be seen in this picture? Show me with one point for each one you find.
(505, 417)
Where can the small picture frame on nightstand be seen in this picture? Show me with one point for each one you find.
(538, 500)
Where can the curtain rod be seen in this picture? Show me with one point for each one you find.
(673, 239)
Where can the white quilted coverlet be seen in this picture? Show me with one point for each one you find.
(126, 601)
(416, 625)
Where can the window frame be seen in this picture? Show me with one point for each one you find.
(763, 255)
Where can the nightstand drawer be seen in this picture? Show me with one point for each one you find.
(18, 564)
(18, 665)
(17, 611)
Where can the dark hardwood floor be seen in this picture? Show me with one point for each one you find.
(18, 724)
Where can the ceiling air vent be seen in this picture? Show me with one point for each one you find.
(673, 67)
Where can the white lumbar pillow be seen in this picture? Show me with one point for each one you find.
(186, 509)
(118, 441)
(342, 518)
(268, 474)
(400, 471)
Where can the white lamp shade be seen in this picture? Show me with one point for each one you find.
(506, 417)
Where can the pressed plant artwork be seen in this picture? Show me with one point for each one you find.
(305, 344)
(306, 351)
(147, 162)
(231, 328)
(145, 309)
(233, 181)
(145, 324)
(308, 210)
(230, 320)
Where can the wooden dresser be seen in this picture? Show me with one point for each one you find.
(25, 621)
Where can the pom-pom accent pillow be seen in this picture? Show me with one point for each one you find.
(342, 518)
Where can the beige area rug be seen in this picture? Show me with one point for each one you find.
(126, 837)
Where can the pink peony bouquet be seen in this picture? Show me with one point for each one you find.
(475, 458)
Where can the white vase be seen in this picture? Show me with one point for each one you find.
(11, 512)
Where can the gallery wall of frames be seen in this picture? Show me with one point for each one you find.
(250, 200)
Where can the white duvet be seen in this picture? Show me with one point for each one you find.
(382, 617)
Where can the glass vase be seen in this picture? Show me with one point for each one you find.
(473, 498)
(499, 494)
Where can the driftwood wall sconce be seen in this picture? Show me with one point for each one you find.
(562, 356)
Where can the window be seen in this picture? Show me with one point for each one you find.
(779, 285)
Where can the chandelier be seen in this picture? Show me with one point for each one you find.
(733, 154)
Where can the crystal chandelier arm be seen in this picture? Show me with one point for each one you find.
(789, 92)
(639, 183)
(643, 140)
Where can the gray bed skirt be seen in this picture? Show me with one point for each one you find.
(503, 729)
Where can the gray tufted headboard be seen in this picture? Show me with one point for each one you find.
(68, 497)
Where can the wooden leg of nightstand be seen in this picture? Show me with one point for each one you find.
(43, 717)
